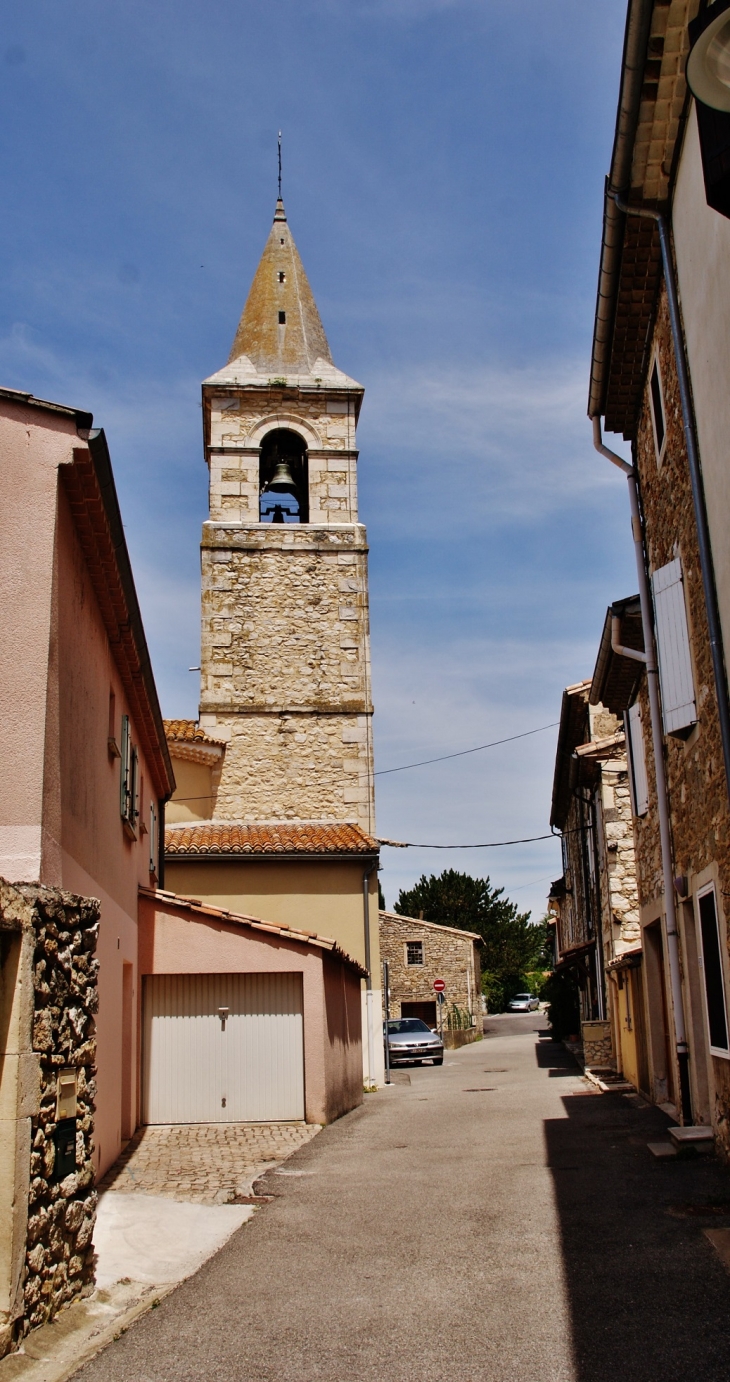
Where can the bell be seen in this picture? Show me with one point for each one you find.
(282, 481)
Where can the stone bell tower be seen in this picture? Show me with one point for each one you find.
(285, 657)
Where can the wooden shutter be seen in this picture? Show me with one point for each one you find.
(672, 636)
(638, 781)
(124, 766)
(153, 838)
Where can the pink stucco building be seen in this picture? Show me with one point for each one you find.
(260, 1017)
(84, 767)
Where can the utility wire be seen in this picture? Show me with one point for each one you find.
(492, 844)
(424, 762)
(463, 753)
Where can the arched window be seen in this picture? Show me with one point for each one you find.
(283, 478)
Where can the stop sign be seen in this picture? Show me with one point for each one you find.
(439, 985)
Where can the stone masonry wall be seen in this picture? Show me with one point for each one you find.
(237, 421)
(699, 814)
(285, 660)
(58, 976)
(447, 956)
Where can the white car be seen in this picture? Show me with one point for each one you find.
(523, 1003)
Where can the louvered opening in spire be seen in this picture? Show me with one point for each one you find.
(280, 331)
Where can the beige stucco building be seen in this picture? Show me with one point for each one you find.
(280, 762)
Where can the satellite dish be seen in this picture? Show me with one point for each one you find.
(708, 65)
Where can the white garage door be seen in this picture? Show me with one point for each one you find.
(223, 1048)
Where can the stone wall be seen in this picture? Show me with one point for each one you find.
(49, 999)
(285, 647)
(448, 954)
(597, 1045)
(699, 814)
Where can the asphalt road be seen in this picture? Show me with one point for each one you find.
(490, 1220)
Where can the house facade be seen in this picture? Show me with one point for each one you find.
(420, 952)
(85, 769)
(594, 903)
(660, 379)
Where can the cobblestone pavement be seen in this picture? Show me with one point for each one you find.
(205, 1163)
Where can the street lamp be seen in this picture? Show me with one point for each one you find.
(708, 65)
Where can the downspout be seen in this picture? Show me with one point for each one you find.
(652, 679)
(369, 989)
(695, 476)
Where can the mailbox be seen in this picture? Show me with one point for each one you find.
(66, 1094)
(64, 1137)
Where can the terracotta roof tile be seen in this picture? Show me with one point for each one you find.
(187, 732)
(268, 837)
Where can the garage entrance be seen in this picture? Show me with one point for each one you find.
(426, 1011)
(223, 1048)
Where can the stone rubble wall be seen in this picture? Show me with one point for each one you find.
(59, 933)
(597, 1045)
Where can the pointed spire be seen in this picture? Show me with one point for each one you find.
(281, 331)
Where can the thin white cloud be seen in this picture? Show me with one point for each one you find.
(482, 445)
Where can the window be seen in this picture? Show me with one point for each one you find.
(282, 318)
(638, 783)
(656, 396)
(714, 979)
(153, 838)
(414, 952)
(675, 661)
(282, 276)
(128, 781)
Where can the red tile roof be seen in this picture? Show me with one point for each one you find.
(271, 837)
(187, 732)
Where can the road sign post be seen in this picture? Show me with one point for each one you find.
(440, 988)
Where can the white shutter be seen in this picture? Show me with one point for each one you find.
(672, 636)
(638, 781)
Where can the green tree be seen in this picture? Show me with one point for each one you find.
(512, 946)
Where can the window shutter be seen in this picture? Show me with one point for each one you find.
(713, 971)
(638, 781)
(153, 838)
(672, 635)
(124, 770)
(134, 789)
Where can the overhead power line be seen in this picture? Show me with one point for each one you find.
(463, 752)
(492, 844)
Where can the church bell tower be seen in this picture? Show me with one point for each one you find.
(285, 655)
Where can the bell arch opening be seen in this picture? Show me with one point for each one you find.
(283, 478)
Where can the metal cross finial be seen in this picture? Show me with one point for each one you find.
(279, 165)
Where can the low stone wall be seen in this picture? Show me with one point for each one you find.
(461, 1037)
(597, 1045)
(48, 999)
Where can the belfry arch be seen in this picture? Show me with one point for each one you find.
(283, 477)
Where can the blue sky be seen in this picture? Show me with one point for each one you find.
(443, 175)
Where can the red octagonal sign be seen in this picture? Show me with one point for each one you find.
(439, 985)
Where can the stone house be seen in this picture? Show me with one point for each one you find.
(594, 903)
(280, 762)
(659, 378)
(418, 952)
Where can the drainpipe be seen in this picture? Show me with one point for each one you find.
(652, 678)
(369, 990)
(695, 475)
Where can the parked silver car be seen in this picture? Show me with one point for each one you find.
(409, 1039)
(523, 1003)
